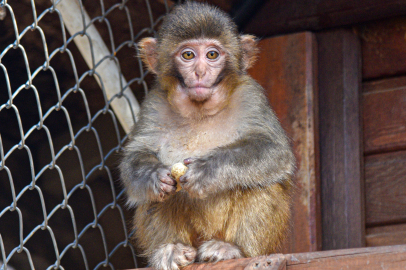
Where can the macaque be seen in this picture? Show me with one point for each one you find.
(208, 113)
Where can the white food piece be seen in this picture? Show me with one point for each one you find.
(177, 171)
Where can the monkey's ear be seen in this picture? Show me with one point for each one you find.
(249, 50)
(148, 52)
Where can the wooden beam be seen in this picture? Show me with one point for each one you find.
(376, 258)
(389, 257)
(281, 17)
(340, 140)
(287, 69)
(386, 235)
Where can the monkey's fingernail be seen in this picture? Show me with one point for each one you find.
(188, 161)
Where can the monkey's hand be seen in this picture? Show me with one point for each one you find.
(196, 181)
(163, 184)
(145, 178)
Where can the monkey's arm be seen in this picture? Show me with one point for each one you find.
(145, 178)
(254, 160)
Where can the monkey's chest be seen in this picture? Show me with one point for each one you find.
(178, 145)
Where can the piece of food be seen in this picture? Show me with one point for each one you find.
(177, 171)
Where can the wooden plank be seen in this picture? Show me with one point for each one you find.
(385, 188)
(384, 115)
(340, 140)
(286, 68)
(386, 235)
(389, 257)
(281, 17)
(383, 48)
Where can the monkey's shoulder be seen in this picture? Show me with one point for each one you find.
(151, 108)
(148, 129)
(253, 106)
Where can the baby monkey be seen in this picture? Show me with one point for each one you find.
(206, 112)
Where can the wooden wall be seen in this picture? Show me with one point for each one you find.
(361, 76)
(363, 134)
(384, 120)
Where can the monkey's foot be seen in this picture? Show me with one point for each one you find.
(172, 256)
(215, 250)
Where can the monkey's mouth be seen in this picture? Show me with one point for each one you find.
(200, 93)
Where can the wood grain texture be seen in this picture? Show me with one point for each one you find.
(341, 140)
(386, 235)
(281, 17)
(385, 188)
(389, 257)
(286, 68)
(384, 115)
(383, 48)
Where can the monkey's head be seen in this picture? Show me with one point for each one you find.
(199, 56)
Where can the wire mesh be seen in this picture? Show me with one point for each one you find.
(61, 206)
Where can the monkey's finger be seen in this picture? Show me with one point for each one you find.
(168, 180)
(188, 161)
(183, 179)
(168, 188)
(191, 255)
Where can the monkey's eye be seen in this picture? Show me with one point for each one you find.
(212, 55)
(188, 55)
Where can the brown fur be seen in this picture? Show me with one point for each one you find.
(235, 199)
(232, 216)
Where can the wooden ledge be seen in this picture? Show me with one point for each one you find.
(374, 258)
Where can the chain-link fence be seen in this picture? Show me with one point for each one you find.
(66, 105)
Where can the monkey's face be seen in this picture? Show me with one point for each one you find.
(199, 74)
(199, 64)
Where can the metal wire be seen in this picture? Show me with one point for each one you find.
(45, 179)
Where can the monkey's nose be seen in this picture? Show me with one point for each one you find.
(200, 71)
(200, 74)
